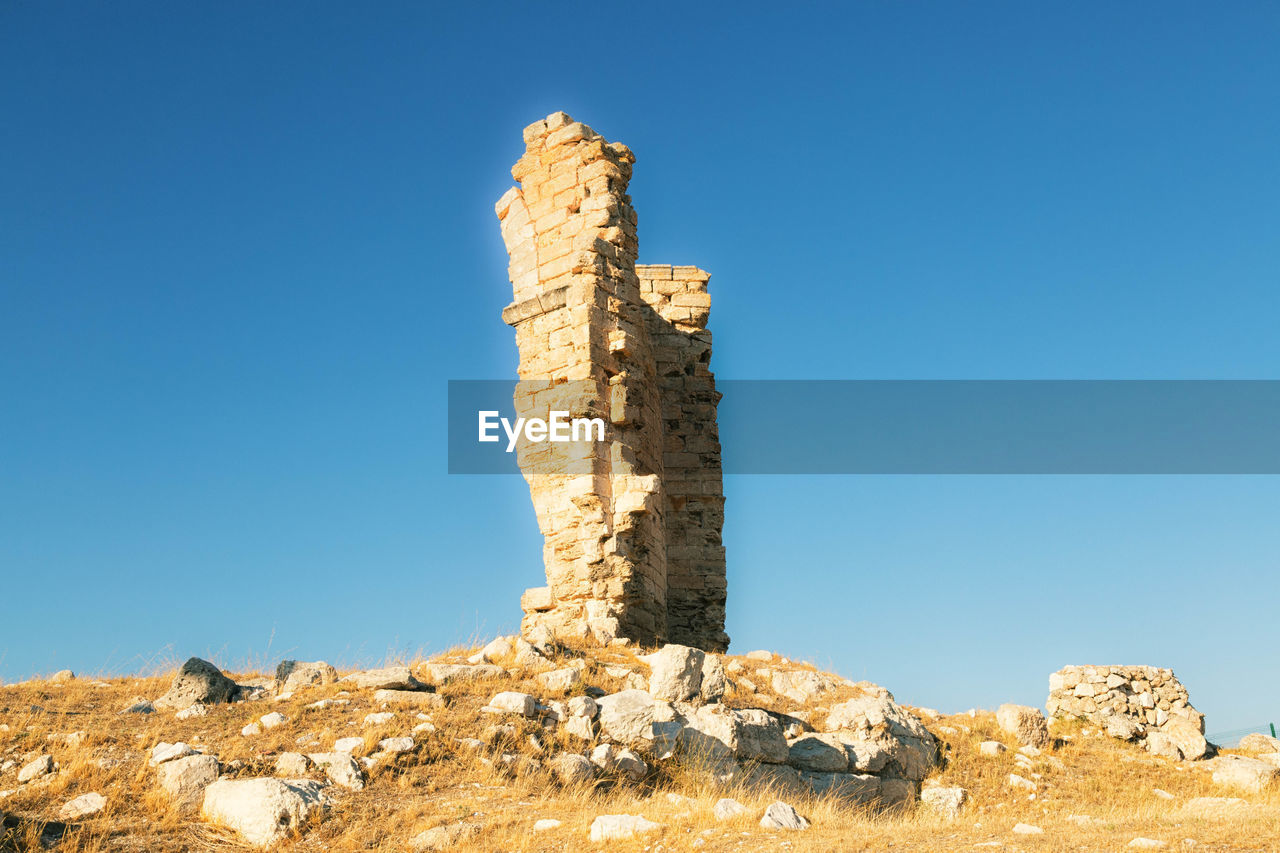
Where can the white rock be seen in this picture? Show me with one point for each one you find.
(83, 806)
(945, 801)
(992, 748)
(163, 752)
(1025, 723)
(199, 709)
(292, 765)
(631, 765)
(1016, 781)
(386, 678)
(263, 811)
(424, 727)
(560, 680)
(675, 672)
(1245, 774)
(292, 675)
(615, 827)
(341, 769)
(270, 721)
(41, 766)
(1162, 794)
(572, 769)
(583, 706)
(496, 650)
(348, 745)
(727, 808)
(412, 698)
(379, 718)
(396, 744)
(779, 815)
(1146, 844)
(545, 824)
(627, 716)
(184, 779)
(510, 702)
(759, 654)
(1027, 829)
(251, 730)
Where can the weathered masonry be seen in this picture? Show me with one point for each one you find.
(632, 524)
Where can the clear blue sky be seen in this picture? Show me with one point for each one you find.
(243, 247)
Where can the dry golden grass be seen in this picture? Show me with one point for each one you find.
(441, 782)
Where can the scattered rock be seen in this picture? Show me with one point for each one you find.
(1146, 844)
(386, 678)
(142, 706)
(615, 827)
(62, 676)
(396, 745)
(251, 730)
(1015, 781)
(717, 732)
(270, 721)
(676, 674)
(1025, 723)
(560, 680)
(779, 815)
(263, 811)
(184, 779)
(443, 673)
(348, 744)
(33, 770)
(945, 801)
(443, 837)
(341, 769)
(1027, 829)
(545, 824)
(197, 681)
(196, 709)
(1244, 774)
(572, 769)
(626, 717)
(729, 809)
(511, 702)
(992, 748)
(630, 765)
(379, 718)
(163, 752)
(292, 675)
(292, 764)
(413, 698)
(83, 806)
(1258, 742)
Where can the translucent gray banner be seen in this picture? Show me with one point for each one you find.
(948, 426)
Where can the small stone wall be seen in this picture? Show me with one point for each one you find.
(1137, 703)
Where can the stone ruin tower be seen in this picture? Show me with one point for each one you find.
(631, 524)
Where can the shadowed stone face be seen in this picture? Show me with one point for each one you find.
(631, 524)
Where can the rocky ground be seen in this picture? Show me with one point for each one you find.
(521, 748)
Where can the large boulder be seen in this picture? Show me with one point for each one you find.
(197, 681)
(263, 811)
(1025, 723)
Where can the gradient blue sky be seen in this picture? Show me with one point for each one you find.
(243, 247)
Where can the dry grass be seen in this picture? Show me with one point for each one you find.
(441, 782)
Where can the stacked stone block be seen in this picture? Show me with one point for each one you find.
(596, 340)
(1141, 703)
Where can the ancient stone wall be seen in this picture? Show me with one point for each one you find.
(1139, 703)
(631, 549)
